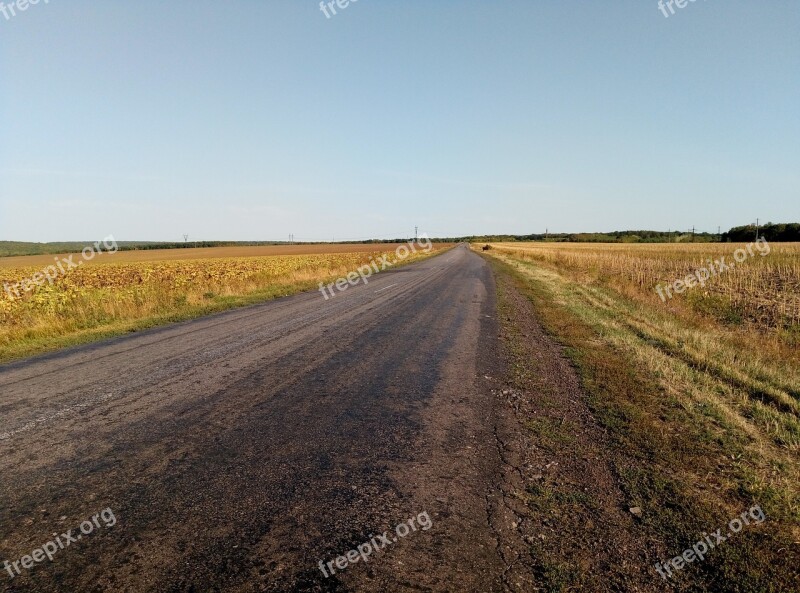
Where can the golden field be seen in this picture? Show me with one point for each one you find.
(124, 291)
(762, 291)
(159, 255)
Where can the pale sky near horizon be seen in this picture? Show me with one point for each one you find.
(250, 120)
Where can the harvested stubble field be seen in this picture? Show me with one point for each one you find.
(762, 292)
(130, 290)
(701, 392)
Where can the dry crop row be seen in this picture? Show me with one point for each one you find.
(763, 290)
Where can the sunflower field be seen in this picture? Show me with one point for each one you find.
(109, 294)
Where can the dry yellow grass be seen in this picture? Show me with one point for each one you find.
(708, 414)
(763, 291)
(742, 373)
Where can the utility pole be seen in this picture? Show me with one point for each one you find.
(416, 234)
(186, 238)
(692, 234)
(757, 228)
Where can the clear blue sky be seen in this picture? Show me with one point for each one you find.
(255, 119)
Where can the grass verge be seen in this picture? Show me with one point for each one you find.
(706, 432)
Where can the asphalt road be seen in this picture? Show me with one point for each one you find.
(237, 451)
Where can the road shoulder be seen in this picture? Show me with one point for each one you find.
(560, 488)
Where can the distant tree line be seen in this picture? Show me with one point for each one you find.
(613, 237)
(789, 232)
(774, 233)
(741, 234)
(135, 246)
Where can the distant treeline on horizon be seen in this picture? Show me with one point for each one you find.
(789, 232)
(742, 234)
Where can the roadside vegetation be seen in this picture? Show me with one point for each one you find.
(701, 394)
(758, 298)
(116, 296)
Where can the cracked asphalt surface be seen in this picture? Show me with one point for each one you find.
(238, 450)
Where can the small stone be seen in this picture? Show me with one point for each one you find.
(636, 511)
